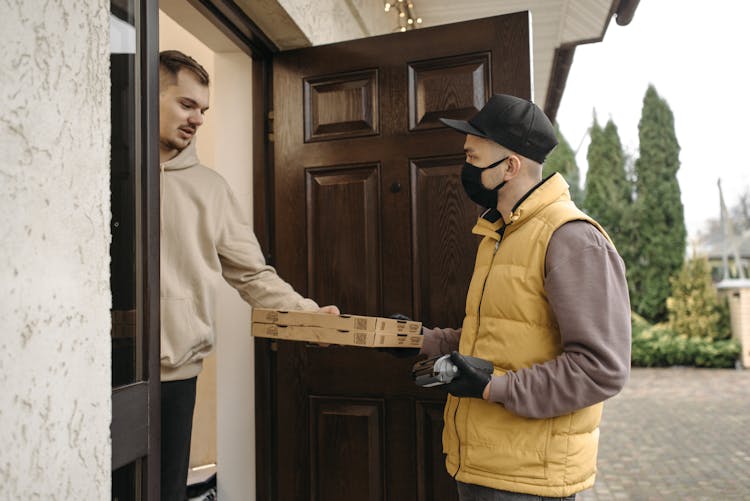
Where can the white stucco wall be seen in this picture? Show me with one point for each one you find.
(55, 406)
(327, 21)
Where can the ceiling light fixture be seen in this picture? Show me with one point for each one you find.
(407, 20)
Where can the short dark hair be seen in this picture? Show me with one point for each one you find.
(172, 61)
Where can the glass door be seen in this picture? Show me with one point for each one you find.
(134, 250)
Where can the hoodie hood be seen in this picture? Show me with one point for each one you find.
(184, 159)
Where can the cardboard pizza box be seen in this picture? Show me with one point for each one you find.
(343, 322)
(345, 337)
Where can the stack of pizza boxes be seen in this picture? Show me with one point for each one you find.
(347, 330)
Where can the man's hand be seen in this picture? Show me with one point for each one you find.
(330, 309)
(474, 375)
(401, 352)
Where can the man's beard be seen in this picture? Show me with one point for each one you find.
(176, 144)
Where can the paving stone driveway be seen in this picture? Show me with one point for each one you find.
(676, 434)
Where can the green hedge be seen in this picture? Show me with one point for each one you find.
(658, 346)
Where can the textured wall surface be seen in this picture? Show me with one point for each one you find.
(324, 21)
(55, 405)
(292, 24)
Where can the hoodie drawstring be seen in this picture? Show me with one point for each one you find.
(162, 193)
(184, 159)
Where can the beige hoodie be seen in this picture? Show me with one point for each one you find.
(204, 233)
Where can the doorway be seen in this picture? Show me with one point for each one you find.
(223, 424)
(415, 176)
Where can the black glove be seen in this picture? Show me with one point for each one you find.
(400, 352)
(399, 316)
(473, 375)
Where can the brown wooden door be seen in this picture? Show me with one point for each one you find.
(370, 215)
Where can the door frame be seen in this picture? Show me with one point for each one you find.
(239, 28)
(136, 412)
(136, 409)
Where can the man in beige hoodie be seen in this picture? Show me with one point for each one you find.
(204, 234)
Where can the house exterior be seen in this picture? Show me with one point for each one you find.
(64, 432)
(727, 257)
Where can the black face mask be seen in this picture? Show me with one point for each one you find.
(471, 178)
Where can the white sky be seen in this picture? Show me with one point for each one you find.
(693, 53)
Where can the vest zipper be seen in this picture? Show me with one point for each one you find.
(455, 426)
(479, 311)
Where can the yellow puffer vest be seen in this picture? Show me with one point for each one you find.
(509, 322)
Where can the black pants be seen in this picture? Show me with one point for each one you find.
(177, 406)
(470, 492)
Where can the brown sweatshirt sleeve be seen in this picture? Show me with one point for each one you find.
(587, 291)
(439, 341)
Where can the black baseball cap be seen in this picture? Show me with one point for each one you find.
(517, 124)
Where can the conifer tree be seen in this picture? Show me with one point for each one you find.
(659, 214)
(694, 307)
(608, 190)
(563, 160)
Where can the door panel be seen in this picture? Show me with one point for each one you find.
(343, 214)
(447, 87)
(369, 214)
(443, 250)
(346, 437)
(433, 484)
(341, 106)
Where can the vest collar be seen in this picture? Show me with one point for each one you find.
(488, 225)
(549, 190)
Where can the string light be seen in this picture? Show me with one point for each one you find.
(406, 18)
